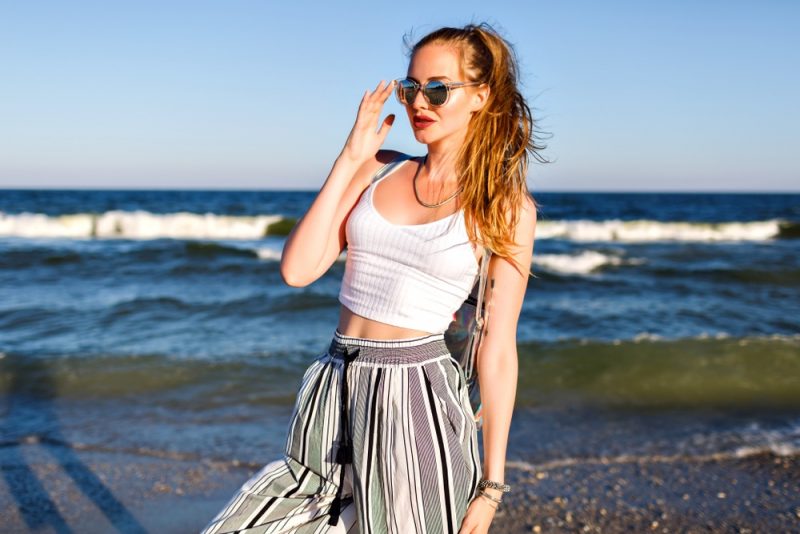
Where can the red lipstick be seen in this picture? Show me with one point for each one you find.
(422, 121)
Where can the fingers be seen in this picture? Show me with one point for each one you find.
(389, 89)
(385, 127)
(363, 138)
(382, 91)
(372, 103)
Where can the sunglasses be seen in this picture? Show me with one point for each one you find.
(436, 92)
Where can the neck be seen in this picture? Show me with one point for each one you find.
(440, 165)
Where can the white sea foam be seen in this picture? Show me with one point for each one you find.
(754, 439)
(581, 263)
(184, 225)
(781, 442)
(584, 262)
(784, 448)
(268, 254)
(647, 230)
(136, 225)
(644, 337)
(271, 254)
(647, 336)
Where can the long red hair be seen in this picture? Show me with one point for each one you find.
(492, 164)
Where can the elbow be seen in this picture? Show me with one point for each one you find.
(292, 278)
(293, 282)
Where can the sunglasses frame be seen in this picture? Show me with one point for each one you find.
(419, 87)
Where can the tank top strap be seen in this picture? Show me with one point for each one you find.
(387, 169)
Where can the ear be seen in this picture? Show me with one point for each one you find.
(479, 97)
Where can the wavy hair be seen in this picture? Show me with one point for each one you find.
(492, 164)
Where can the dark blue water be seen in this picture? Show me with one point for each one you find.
(120, 301)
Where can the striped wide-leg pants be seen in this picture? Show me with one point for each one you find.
(393, 448)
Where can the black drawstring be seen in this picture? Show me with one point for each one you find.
(344, 454)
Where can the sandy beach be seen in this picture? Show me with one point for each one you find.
(58, 489)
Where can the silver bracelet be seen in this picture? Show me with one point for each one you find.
(505, 488)
(487, 496)
(498, 500)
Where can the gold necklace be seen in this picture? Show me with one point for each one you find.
(416, 193)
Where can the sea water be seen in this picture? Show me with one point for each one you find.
(156, 322)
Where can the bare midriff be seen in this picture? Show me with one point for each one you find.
(354, 325)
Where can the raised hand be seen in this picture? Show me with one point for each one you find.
(365, 138)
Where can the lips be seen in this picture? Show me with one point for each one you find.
(421, 121)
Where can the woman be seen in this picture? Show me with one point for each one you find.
(382, 438)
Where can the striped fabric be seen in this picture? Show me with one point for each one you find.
(415, 462)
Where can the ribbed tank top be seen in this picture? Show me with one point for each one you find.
(411, 276)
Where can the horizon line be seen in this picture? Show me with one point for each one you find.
(285, 190)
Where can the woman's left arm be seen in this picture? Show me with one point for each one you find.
(497, 356)
(497, 359)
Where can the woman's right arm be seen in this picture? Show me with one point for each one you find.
(319, 236)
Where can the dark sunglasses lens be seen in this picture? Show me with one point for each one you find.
(436, 92)
(406, 91)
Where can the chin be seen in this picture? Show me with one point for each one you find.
(424, 137)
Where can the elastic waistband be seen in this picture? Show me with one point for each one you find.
(390, 351)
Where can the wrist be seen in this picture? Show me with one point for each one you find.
(497, 476)
(347, 159)
(493, 492)
(485, 483)
(488, 501)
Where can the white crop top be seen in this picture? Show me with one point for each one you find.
(412, 276)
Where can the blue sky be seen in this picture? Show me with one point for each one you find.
(640, 96)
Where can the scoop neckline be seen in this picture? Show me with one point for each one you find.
(390, 223)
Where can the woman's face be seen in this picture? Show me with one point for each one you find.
(433, 124)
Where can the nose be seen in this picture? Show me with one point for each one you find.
(419, 96)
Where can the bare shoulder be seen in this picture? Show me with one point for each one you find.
(368, 169)
(527, 212)
(526, 219)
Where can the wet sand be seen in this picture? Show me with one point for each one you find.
(51, 488)
(753, 494)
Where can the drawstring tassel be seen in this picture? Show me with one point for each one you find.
(344, 454)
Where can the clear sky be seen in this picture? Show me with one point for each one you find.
(641, 96)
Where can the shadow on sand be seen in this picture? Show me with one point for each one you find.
(29, 420)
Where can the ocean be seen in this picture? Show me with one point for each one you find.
(156, 323)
